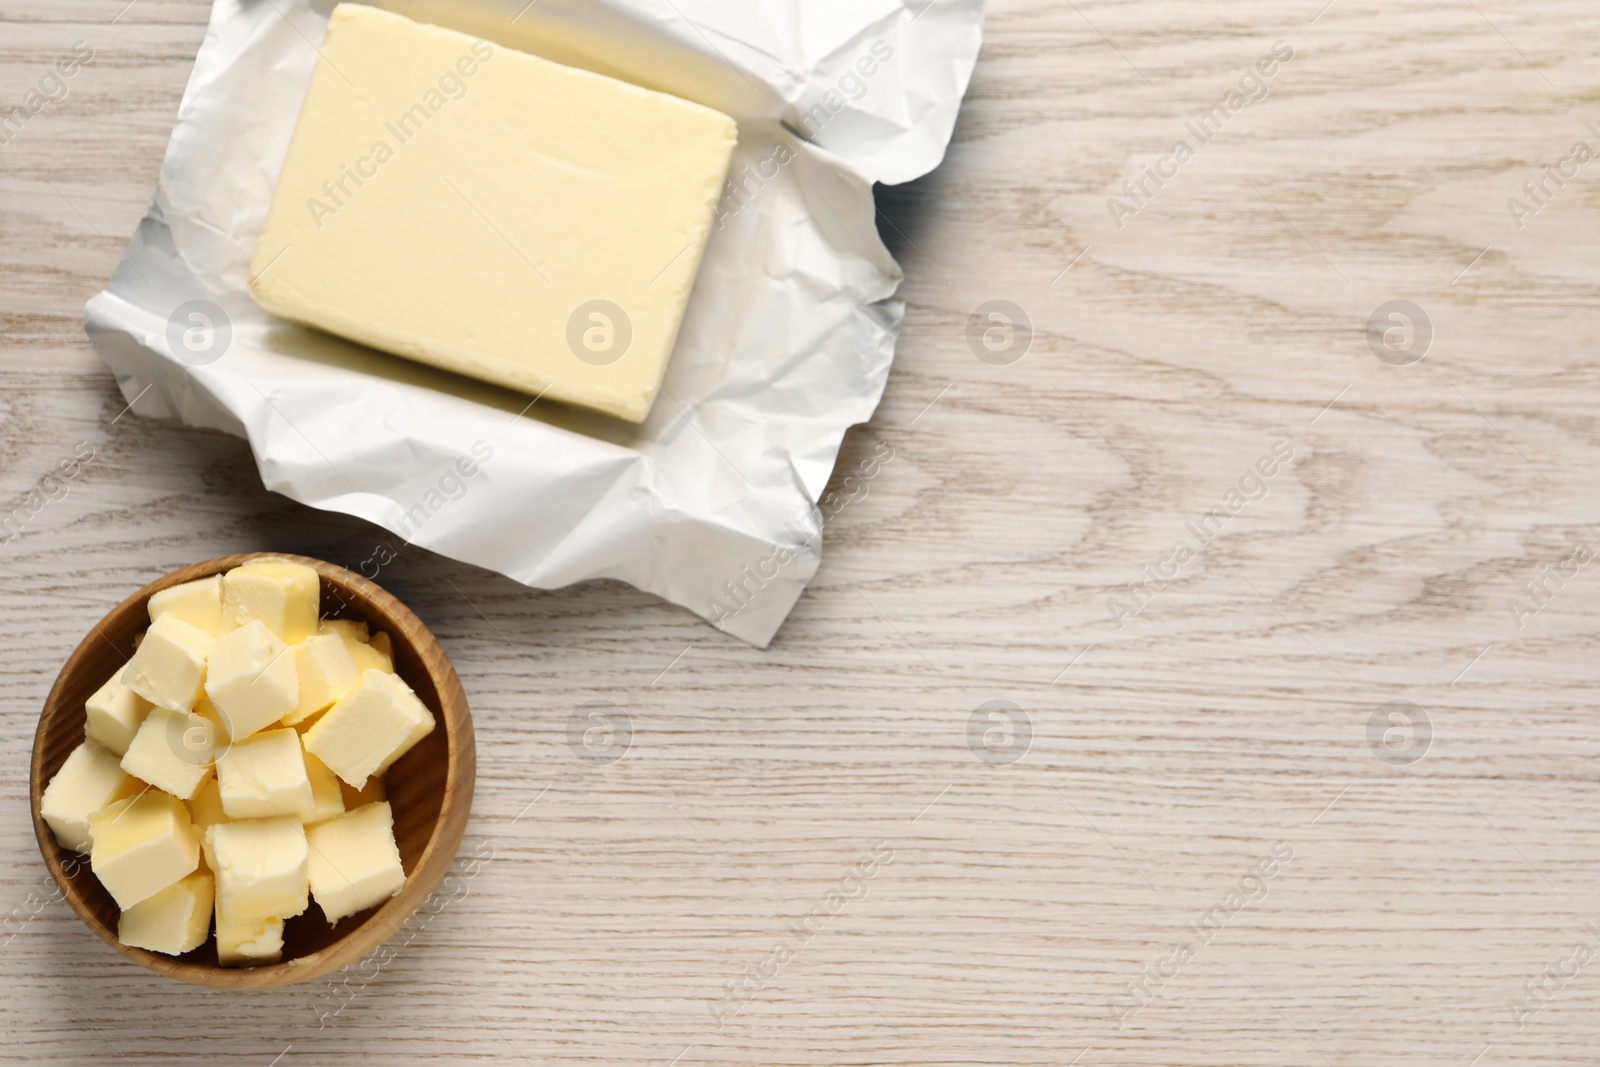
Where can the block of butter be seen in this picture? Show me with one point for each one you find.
(370, 728)
(260, 867)
(141, 845)
(198, 603)
(113, 714)
(492, 213)
(174, 920)
(354, 862)
(91, 778)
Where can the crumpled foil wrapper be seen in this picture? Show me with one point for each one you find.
(787, 341)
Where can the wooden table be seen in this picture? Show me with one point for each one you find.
(983, 883)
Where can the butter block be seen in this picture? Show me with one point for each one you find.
(173, 921)
(112, 716)
(173, 751)
(91, 778)
(265, 775)
(354, 861)
(369, 728)
(350, 631)
(198, 603)
(170, 663)
(283, 596)
(249, 943)
(491, 212)
(327, 792)
(260, 867)
(326, 672)
(370, 793)
(251, 678)
(370, 657)
(358, 643)
(141, 845)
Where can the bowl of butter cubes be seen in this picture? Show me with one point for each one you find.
(252, 771)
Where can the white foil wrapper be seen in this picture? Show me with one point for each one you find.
(786, 343)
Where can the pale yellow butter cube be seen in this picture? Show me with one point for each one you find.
(327, 672)
(354, 861)
(371, 658)
(265, 775)
(249, 943)
(370, 727)
(260, 867)
(170, 664)
(112, 716)
(141, 845)
(91, 778)
(252, 679)
(539, 227)
(350, 631)
(284, 596)
(173, 750)
(362, 646)
(327, 792)
(198, 603)
(173, 921)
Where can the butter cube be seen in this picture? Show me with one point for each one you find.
(112, 716)
(249, 943)
(326, 673)
(265, 775)
(372, 658)
(559, 262)
(282, 595)
(205, 807)
(198, 603)
(327, 792)
(251, 678)
(173, 921)
(141, 845)
(370, 727)
(169, 664)
(370, 793)
(363, 648)
(350, 631)
(354, 861)
(90, 779)
(260, 867)
(173, 750)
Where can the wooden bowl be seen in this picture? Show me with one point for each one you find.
(430, 787)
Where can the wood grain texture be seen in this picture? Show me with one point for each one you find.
(429, 789)
(601, 909)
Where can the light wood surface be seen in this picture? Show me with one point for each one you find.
(612, 902)
(429, 789)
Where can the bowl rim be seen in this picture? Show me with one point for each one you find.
(431, 865)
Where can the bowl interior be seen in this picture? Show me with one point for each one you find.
(417, 784)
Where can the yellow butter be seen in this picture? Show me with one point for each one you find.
(354, 862)
(90, 779)
(373, 725)
(141, 845)
(173, 921)
(282, 595)
(113, 714)
(198, 603)
(492, 213)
